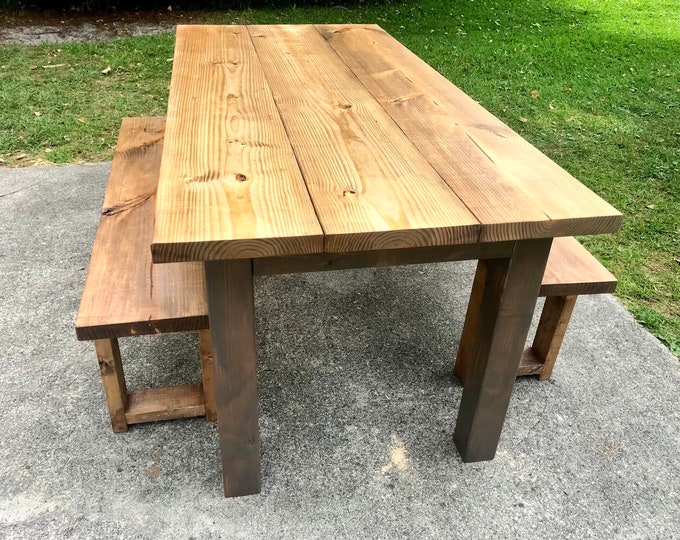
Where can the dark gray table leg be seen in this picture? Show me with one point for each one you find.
(229, 287)
(493, 340)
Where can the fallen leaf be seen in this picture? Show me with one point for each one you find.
(48, 150)
(33, 67)
(19, 157)
(37, 113)
(106, 70)
(534, 94)
(650, 206)
(677, 259)
(550, 106)
(80, 119)
(523, 120)
(48, 66)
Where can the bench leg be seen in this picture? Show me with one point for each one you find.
(113, 380)
(205, 345)
(539, 359)
(229, 288)
(550, 332)
(495, 339)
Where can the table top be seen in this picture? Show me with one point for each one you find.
(302, 139)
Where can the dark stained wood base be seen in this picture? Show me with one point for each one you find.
(229, 287)
(494, 337)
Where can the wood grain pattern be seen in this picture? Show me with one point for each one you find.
(229, 183)
(370, 187)
(508, 298)
(125, 294)
(232, 327)
(512, 188)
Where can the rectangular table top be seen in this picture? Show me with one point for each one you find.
(301, 139)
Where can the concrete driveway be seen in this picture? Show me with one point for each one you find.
(358, 405)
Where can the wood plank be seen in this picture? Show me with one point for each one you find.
(506, 307)
(511, 187)
(166, 403)
(370, 187)
(229, 183)
(232, 327)
(113, 380)
(572, 269)
(530, 364)
(125, 294)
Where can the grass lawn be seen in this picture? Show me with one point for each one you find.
(594, 84)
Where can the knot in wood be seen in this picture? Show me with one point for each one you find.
(240, 177)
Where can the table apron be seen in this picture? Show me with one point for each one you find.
(386, 257)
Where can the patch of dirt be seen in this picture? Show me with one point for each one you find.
(35, 27)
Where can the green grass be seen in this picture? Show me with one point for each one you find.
(593, 84)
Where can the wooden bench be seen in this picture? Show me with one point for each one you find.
(126, 295)
(571, 271)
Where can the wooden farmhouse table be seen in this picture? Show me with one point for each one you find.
(306, 148)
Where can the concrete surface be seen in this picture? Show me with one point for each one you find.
(358, 408)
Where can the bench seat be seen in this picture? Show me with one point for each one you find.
(125, 294)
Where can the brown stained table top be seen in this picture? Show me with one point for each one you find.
(302, 139)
